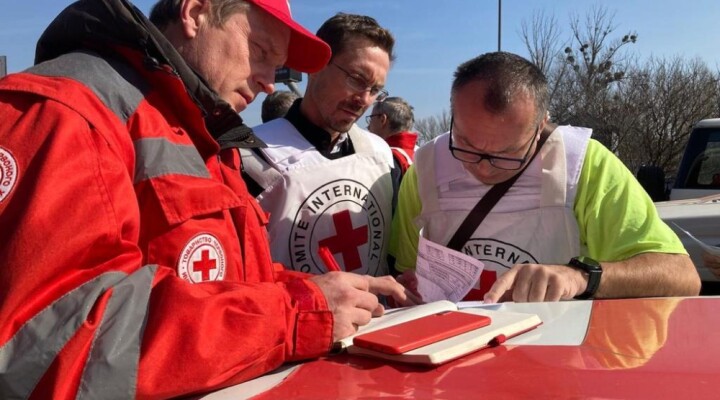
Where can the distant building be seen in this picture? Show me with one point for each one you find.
(3, 66)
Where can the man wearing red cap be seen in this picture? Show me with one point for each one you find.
(133, 261)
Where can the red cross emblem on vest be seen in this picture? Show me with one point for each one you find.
(346, 240)
(487, 279)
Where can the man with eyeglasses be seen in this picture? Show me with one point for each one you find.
(326, 182)
(392, 120)
(574, 224)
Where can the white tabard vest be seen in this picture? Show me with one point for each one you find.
(532, 223)
(344, 204)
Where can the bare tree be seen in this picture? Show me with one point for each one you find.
(643, 112)
(598, 66)
(431, 127)
(597, 60)
(542, 40)
(666, 98)
(583, 78)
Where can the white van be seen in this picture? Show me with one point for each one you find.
(695, 197)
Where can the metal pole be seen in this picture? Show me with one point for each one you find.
(294, 87)
(499, 22)
(3, 66)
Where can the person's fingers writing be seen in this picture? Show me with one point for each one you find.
(352, 298)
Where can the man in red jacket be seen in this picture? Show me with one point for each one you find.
(392, 119)
(133, 261)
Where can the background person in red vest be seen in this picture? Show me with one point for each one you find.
(392, 119)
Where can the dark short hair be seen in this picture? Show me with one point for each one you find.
(277, 104)
(165, 12)
(399, 113)
(507, 75)
(341, 28)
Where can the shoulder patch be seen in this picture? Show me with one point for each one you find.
(8, 173)
(202, 259)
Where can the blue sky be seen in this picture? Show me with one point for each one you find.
(433, 37)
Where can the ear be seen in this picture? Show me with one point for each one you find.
(383, 119)
(311, 76)
(193, 14)
(546, 126)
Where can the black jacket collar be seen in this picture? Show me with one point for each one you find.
(100, 24)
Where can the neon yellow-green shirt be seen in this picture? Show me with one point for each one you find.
(616, 217)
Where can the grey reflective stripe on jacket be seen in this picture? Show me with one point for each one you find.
(158, 156)
(111, 368)
(116, 84)
(121, 89)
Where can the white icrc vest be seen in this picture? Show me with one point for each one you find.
(344, 204)
(532, 223)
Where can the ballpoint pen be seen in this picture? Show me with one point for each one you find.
(328, 259)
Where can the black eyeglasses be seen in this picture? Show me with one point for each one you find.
(358, 84)
(506, 163)
(370, 117)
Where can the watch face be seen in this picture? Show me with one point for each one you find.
(587, 263)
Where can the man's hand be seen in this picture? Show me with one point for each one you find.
(353, 298)
(711, 262)
(409, 280)
(535, 282)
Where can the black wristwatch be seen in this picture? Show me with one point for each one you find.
(594, 271)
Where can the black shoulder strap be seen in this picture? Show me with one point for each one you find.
(487, 202)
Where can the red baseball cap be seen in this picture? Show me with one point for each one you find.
(306, 52)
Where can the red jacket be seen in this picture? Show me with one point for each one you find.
(402, 145)
(133, 261)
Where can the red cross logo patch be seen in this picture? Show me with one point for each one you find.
(8, 173)
(202, 259)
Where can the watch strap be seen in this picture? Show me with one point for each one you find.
(594, 272)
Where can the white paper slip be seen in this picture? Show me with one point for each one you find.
(443, 273)
(714, 250)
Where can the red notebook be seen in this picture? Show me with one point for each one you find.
(503, 325)
(410, 335)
